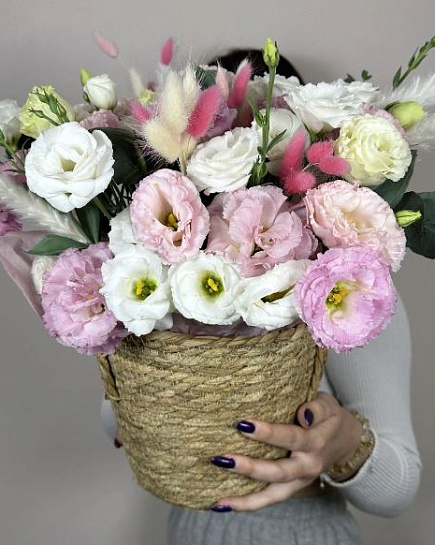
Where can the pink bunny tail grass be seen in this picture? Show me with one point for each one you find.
(299, 182)
(139, 112)
(107, 46)
(336, 166)
(204, 113)
(167, 52)
(293, 156)
(319, 150)
(222, 83)
(238, 94)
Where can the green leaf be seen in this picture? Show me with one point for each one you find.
(392, 192)
(420, 236)
(365, 76)
(275, 140)
(206, 78)
(349, 79)
(55, 245)
(89, 218)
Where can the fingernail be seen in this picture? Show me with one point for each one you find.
(117, 443)
(245, 426)
(309, 417)
(223, 461)
(221, 508)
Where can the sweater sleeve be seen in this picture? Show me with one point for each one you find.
(375, 381)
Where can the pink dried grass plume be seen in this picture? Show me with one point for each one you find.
(167, 52)
(240, 86)
(141, 114)
(321, 154)
(204, 113)
(107, 46)
(75, 312)
(346, 298)
(168, 216)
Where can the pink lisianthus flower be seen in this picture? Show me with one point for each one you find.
(343, 215)
(101, 118)
(75, 312)
(256, 228)
(346, 297)
(8, 221)
(168, 216)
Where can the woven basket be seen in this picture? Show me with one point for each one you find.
(177, 398)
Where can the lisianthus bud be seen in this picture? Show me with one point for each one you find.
(271, 53)
(406, 217)
(32, 124)
(407, 113)
(9, 122)
(85, 75)
(101, 92)
(147, 97)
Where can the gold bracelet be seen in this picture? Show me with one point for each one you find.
(365, 448)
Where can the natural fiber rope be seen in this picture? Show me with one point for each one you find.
(177, 398)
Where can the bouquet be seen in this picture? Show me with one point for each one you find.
(213, 224)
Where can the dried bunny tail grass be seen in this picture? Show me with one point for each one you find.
(174, 112)
(420, 89)
(136, 82)
(191, 89)
(422, 135)
(162, 139)
(30, 207)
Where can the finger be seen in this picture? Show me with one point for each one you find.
(285, 436)
(270, 471)
(272, 494)
(317, 411)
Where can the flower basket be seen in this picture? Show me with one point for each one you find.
(177, 398)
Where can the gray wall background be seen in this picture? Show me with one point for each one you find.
(61, 481)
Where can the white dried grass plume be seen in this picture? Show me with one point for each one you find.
(35, 210)
(190, 88)
(420, 89)
(162, 139)
(422, 135)
(136, 82)
(174, 113)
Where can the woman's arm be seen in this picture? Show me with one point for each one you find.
(375, 381)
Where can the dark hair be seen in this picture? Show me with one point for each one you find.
(231, 60)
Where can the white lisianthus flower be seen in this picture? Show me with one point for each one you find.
(327, 106)
(267, 301)
(375, 149)
(257, 87)
(224, 163)
(10, 120)
(40, 265)
(68, 166)
(281, 120)
(101, 92)
(121, 232)
(136, 290)
(204, 289)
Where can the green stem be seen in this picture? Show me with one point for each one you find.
(101, 208)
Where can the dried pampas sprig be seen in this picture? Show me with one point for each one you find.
(420, 89)
(30, 207)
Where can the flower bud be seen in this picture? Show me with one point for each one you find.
(9, 121)
(271, 53)
(30, 123)
(407, 113)
(101, 92)
(85, 75)
(406, 217)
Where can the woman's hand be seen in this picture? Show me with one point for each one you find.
(327, 435)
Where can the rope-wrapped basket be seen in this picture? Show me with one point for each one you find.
(177, 398)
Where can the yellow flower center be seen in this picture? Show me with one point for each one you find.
(337, 296)
(172, 222)
(144, 287)
(212, 284)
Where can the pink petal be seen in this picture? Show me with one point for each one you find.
(204, 113)
(319, 150)
(238, 94)
(167, 52)
(140, 113)
(293, 155)
(299, 183)
(336, 166)
(106, 45)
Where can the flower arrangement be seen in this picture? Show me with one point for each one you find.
(212, 197)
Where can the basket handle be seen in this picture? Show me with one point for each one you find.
(319, 364)
(108, 378)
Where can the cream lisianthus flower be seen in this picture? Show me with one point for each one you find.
(267, 301)
(204, 289)
(136, 290)
(375, 149)
(101, 92)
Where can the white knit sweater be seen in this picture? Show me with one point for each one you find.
(375, 381)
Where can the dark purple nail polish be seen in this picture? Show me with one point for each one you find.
(224, 462)
(221, 508)
(309, 417)
(117, 443)
(245, 426)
